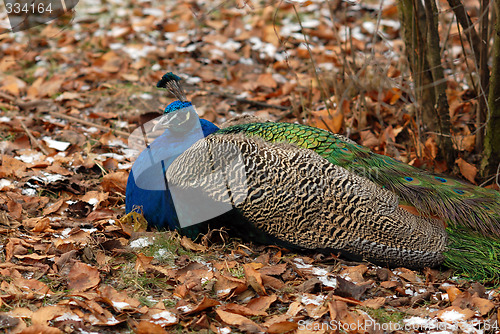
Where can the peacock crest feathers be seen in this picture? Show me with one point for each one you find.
(173, 83)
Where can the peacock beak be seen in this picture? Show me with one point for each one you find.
(162, 122)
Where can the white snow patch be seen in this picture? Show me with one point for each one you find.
(111, 321)
(124, 166)
(89, 230)
(223, 291)
(56, 144)
(5, 183)
(120, 305)
(153, 12)
(164, 318)
(318, 300)
(328, 281)
(116, 142)
(319, 271)
(29, 158)
(92, 129)
(28, 192)
(141, 242)
(93, 201)
(68, 316)
(185, 308)
(47, 177)
(452, 316)
(299, 263)
(224, 330)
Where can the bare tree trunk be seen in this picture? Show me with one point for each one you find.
(442, 110)
(484, 74)
(412, 18)
(421, 37)
(491, 153)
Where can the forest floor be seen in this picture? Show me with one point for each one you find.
(72, 91)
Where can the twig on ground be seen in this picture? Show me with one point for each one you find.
(255, 103)
(88, 123)
(33, 139)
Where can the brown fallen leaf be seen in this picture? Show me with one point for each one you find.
(389, 284)
(331, 120)
(203, 305)
(453, 292)
(273, 270)
(272, 282)
(254, 279)
(227, 286)
(43, 315)
(11, 166)
(146, 327)
(242, 310)
(483, 305)
(374, 303)
(355, 273)
(115, 182)
(188, 244)
(261, 304)
(143, 262)
(467, 170)
(83, 277)
(239, 321)
(120, 301)
(408, 275)
(282, 327)
(54, 207)
(40, 329)
(453, 314)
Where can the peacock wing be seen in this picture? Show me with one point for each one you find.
(295, 197)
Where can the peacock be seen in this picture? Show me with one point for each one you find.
(307, 188)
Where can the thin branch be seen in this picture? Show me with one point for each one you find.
(464, 19)
(33, 139)
(251, 102)
(84, 122)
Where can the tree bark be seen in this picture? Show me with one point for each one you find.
(491, 153)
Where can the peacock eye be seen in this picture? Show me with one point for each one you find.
(459, 191)
(345, 149)
(408, 178)
(440, 179)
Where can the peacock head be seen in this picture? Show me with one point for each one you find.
(180, 112)
(172, 82)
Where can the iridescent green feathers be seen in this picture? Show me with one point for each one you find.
(458, 203)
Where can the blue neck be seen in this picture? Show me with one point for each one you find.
(147, 189)
(207, 127)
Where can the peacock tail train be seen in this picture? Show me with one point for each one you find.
(308, 188)
(472, 213)
(459, 203)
